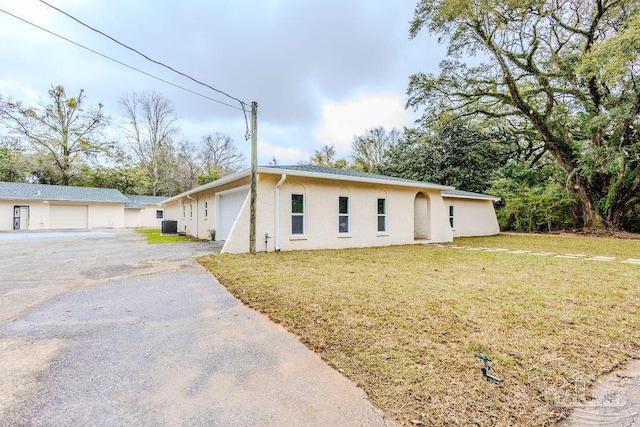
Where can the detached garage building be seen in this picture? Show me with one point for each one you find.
(57, 207)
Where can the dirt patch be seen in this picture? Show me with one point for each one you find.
(21, 362)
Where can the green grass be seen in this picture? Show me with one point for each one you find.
(404, 322)
(155, 237)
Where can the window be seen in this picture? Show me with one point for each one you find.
(190, 210)
(206, 209)
(382, 215)
(159, 214)
(343, 214)
(184, 211)
(297, 214)
(451, 216)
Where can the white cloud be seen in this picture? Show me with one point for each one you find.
(341, 121)
(284, 155)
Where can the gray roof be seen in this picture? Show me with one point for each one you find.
(348, 173)
(21, 191)
(136, 201)
(469, 195)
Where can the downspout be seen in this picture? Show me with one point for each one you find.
(195, 200)
(277, 224)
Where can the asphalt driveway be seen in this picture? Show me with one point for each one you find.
(100, 328)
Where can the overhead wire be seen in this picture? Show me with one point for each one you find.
(122, 63)
(242, 103)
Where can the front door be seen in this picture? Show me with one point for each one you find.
(20, 217)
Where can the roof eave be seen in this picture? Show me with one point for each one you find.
(308, 174)
(455, 196)
(212, 184)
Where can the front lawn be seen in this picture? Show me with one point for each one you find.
(404, 322)
(155, 236)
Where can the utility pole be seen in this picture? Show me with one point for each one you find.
(254, 176)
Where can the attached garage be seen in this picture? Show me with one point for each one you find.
(229, 205)
(69, 216)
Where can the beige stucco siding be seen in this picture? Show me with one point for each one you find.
(321, 215)
(473, 217)
(148, 216)
(38, 214)
(132, 218)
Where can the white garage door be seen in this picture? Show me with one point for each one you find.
(230, 205)
(68, 216)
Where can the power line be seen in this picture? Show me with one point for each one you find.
(242, 103)
(241, 108)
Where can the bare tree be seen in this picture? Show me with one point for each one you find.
(60, 128)
(187, 168)
(220, 153)
(151, 125)
(326, 156)
(368, 150)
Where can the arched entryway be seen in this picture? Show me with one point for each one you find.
(421, 229)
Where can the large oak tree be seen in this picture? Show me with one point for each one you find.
(564, 71)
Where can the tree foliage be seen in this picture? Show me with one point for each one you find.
(326, 156)
(453, 155)
(563, 72)
(532, 199)
(62, 129)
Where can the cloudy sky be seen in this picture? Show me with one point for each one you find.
(321, 71)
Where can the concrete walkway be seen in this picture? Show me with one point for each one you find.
(102, 329)
(599, 258)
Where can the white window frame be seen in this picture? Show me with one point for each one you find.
(452, 217)
(206, 209)
(184, 211)
(190, 210)
(347, 214)
(297, 214)
(382, 215)
(161, 212)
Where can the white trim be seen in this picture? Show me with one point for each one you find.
(336, 177)
(384, 215)
(276, 245)
(297, 214)
(479, 197)
(348, 215)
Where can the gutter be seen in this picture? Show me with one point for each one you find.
(195, 200)
(277, 222)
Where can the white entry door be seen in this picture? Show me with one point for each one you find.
(230, 205)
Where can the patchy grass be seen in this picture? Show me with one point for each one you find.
(404, 322)
(154, 236)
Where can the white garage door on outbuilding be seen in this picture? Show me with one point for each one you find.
(229, 205)
(68, 216)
